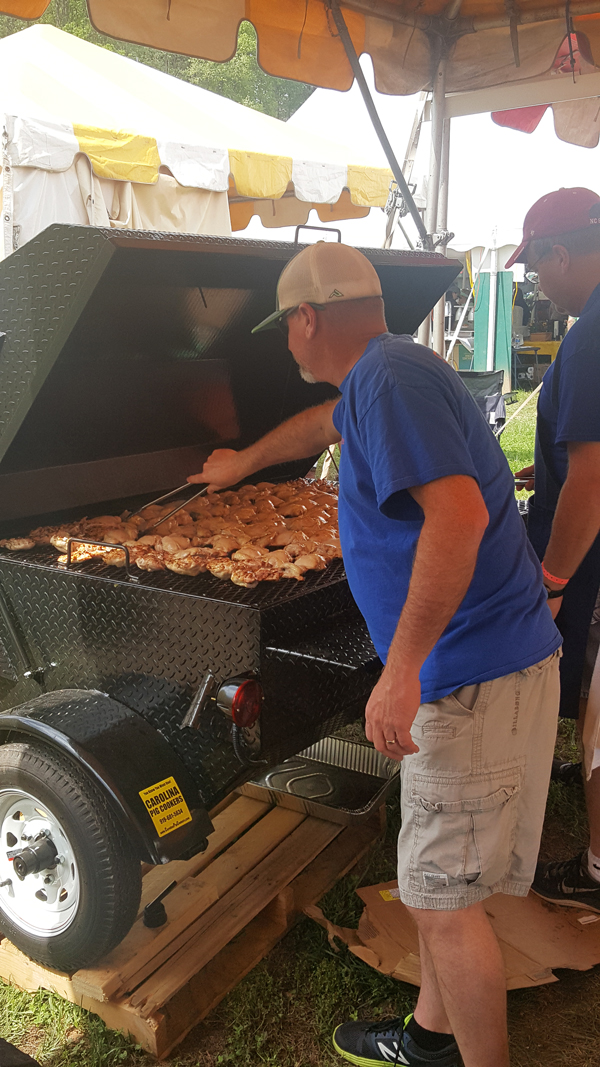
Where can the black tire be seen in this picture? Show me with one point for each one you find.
(107, 890)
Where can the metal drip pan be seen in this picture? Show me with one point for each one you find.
(339, 780)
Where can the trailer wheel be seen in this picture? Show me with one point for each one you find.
(70, 882)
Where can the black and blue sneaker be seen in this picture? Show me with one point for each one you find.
(388, 1041)
(568, 883)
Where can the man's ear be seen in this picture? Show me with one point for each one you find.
(563, 257)
(308, 318)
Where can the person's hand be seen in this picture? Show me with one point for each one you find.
(390, 714)
(555, 605)
(223, 467)
(524, 478)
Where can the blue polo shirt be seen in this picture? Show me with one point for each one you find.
(406, 419)
(568, 410)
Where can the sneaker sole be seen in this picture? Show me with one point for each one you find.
(566, 903)
(358, 1061)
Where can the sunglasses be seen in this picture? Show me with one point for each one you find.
(282, 323)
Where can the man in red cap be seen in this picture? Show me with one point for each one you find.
(561, 242)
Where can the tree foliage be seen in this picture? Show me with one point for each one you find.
(241, 79)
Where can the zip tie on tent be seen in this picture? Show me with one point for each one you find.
(7, 195)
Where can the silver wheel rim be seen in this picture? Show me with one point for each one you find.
(43, 904)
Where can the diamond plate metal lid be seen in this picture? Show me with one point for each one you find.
(132, 344)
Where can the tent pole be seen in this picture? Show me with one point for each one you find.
(491, 339)
(346, 39)
(439, 312)
(438, 108)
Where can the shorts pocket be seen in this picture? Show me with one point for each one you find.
(464, 828)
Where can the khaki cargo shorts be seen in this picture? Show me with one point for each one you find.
(474, 796)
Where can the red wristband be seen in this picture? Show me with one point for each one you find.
(553, 578)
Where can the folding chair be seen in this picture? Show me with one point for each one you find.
(485, 386)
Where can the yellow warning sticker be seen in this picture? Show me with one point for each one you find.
(165, 806)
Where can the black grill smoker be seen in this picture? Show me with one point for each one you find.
(128, 357)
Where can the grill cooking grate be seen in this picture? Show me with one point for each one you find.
(206, 586)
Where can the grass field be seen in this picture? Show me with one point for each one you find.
(283, 1013)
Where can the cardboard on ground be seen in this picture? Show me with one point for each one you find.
(535, 937)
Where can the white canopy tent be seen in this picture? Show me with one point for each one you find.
(92, 137)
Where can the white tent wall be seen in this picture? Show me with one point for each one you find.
(41, 198)
(77, 196)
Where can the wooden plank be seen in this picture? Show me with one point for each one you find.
(144, 950)
(226, 970)
(186, 903)
(207, 988)
(229, 824)
(19, 970)
(229, 915)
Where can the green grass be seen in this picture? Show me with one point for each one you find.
(283, 1013)
(518, 439)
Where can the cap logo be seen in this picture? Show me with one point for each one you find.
(335, 292)
(595, 215)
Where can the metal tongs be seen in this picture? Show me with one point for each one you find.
(165, 496)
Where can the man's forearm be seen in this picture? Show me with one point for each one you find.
(305, 434)
(574, 529)
(444, 564)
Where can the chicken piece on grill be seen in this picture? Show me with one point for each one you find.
(78, 555)
(154, 540)
(230, 497)
(310, 562)
(166, 528)
(18, 544)
(249, 574)
(265, 507)
(285, 537)
(225, 545)
(291, 511)
(189, 530)
(247, 491)
(59, 539)
(218, 510)
(221, 567)
(199, 508)
(278, 557)
(306, 524)
(188, 565)
(174, 543)
(42, 534)
(153, 560)
(250, 552)
(116, 534)
(243, 514)
(330, 550)
(300, 547)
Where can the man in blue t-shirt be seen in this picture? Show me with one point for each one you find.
(439, 564)
(561, 241)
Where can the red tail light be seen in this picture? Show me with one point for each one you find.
(246, 703)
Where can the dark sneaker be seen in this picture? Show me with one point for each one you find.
(568, 883)
(565, 772)
(371, 1044)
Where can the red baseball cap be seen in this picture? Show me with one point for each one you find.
(563, 211)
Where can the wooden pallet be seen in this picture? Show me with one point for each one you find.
(232, 904)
